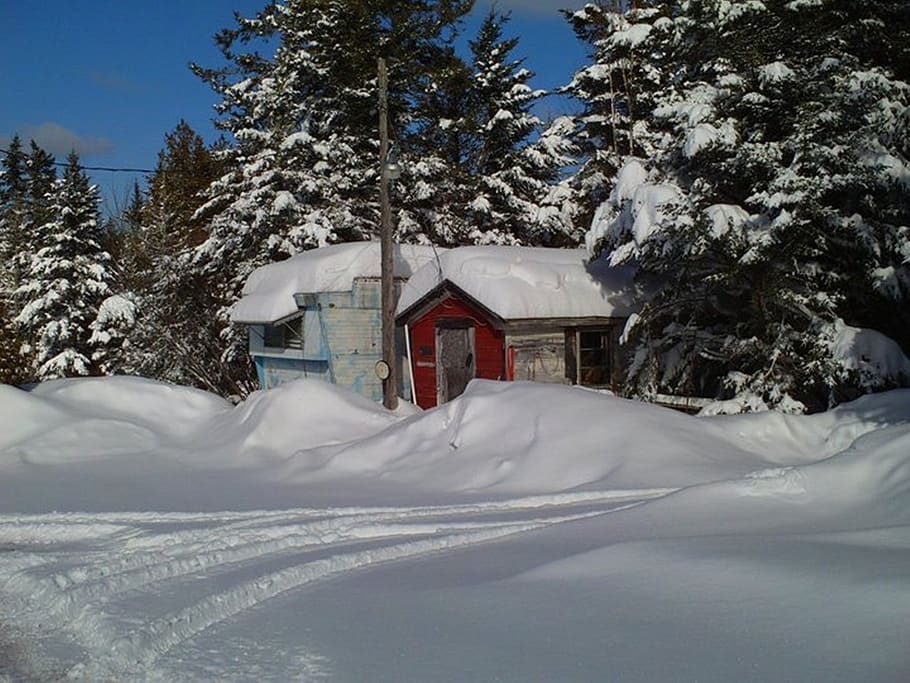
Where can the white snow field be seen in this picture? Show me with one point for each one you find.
(519, 533)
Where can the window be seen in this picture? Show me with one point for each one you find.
(589, 356)
(287, 335)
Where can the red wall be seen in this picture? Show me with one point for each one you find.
(489, 347)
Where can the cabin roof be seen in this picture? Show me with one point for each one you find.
(268, 295)
(523, 283)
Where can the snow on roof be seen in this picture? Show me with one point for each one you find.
(268, 294)
(518, 283)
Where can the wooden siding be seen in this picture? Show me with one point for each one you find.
(274, 371)
(349, 327)
(537, 357)
(489, 348)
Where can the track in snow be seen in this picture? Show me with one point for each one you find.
(97, 578)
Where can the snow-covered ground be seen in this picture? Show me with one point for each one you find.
(520, 533)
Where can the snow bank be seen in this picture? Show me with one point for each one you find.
(88, 419)
(533, 438)
(298, 415)
(255, 541)
(268, 294)
(162, 407)
(23, 415)
(527, 282)
(498, 436)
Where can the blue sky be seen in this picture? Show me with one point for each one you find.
(110, 77)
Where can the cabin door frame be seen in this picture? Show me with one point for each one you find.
(456, 357)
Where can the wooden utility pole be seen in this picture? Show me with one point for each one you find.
(390, 383)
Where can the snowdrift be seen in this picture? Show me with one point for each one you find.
(90, 418)
(531, 438)
(521, 532)
(303, 414)
(501, 438)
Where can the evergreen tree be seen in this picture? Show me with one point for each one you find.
(66, 279)
(437, 183)
(186, 167)
(772, 204)
(28, 180)
(512, 178)
(303, 171)
(13, 193)
(628, 66)
(42, 175)
(162, 322)
(125, 243)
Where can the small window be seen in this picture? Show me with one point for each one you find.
(589, 357)
(287, 335)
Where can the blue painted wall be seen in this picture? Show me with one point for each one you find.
(342, 341)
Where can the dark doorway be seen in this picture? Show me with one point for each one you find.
(455, 363)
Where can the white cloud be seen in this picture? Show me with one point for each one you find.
(111, 81)
(537, 7)
(60, 141)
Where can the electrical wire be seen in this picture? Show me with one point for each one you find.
(95, 168)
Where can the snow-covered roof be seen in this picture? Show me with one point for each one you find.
(518, 283)
(268, 294)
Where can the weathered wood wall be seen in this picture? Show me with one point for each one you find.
(350, 344)
(489, 348)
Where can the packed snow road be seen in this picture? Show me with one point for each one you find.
(127, 592)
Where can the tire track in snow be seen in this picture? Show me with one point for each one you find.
(142, 574)
(254, 516)
(133, 556)
(146, 645)
(192, 550)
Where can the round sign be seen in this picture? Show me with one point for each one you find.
(382, 370)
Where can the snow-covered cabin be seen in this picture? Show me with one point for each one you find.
(513, 313)
(318, 315)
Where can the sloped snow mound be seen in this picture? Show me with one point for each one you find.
(101, 417)
(799, 439)
(158, 406)
(522, 436)
(302, 414)
(866, 486)
(88, 440)
(23, 415)
(499, 437)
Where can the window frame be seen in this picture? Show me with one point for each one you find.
(288, 334)
(576, 369)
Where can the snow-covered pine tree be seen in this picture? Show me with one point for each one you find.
(162, 321)
(33, 180)
(559, 208)
(436, 185)
(874, 91)
(42, 174)
(66, 279)
(13, 193)
(511, 177)
(616, 93)
(278, 194)
(303, 169)
(773, 204)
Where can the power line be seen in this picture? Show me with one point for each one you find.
(95, 168)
